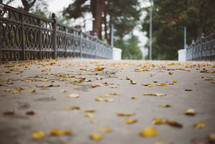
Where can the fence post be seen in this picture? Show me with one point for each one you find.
(54, 26)
(80, 43)
(39, 40)
(22, 38)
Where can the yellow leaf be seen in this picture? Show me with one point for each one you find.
(175, 81)
(14, 92)
(38, 134)
(74, 95)
(96, 136)
(130, 121)
(158, 121)
(199, 125)
(190, 112)
(90, 110)
(42, 65)
(99, 68)
(165, 105)
(57, 132)
(113, 87)
(154, 94)
(73, 108)
(64, 79)
(100, 99)
(116, 93)
(162, 84)
(31, 91)
(134, 97)
(105, 130)
(105, 95)
(109, 100)
(89, 115)
(149, 132)
(126, 114)
(7, 90)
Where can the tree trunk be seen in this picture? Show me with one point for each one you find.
(27, 5)
(97, 8)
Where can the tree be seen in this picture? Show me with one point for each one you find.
(28, 4)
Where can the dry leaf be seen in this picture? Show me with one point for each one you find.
(170, 73)
(159, 142)
(134, 97)
(116, 94)
(174, 124)
(100, 99)
(113, 87)
(188, 90)
(165, 105)
(127, 78)
(6, 90)
(99, 68)
(175, 81)
(11, 112)
(38, 134)
(130, 121)
(74, 95)
(30, 113)
(15, 92)
(57, 132)
(133, 82)
(199, 125)
(105, 95)
(212, 137)
(89, 115)
(162, 84)
(90, 110)
(31, 91)
(62, 91)
(105, 130)
(73, 108)
(109, 100)
(191, 112)
(154, 94)
(64, 79)
(158, 121)
(96, 136)
(149, 132)
(126, 114)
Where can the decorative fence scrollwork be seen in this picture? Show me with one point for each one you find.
(202, 50)
(25, 36)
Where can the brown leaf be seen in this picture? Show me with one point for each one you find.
(174, 124)
(188, 90)
(154, 94)
(73, 108)
(134, 97)
(133, 82)
(165, 105)
(30, 113)
(113, 87)
(191, 112)
(11, 112)
(90, 110)
(212, 137)
(126, 114)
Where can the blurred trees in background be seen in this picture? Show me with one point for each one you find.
(169, 19)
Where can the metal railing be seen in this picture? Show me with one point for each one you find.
(202, 50)
(25, 36)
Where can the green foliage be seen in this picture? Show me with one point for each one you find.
(130, 48)
(170, 18)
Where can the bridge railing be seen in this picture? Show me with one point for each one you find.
(202, 50)
(25, 36)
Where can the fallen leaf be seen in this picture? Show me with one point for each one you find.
(30, 113)
(199, 125)
(6, 90)
(170, 73)
(126, 114)
(73, 108)
(188, 90)
(154, 94)
(90, 110)
(63, 91)
(134, 97)
(165, 105)
(15, 92)
(175, 81)
(159, 142)
(127, 78)
(89, 115)
(109, 100)
(116, 94)
(113, 87)
(96, 136)
(191, 112)
(105, 95)
(105, 130)
(174, 124)
(57, 132)
(11, 112)
(158, 121)
(133, 82)
(74, 95)
(149, 132)
(64, 79)
(31, 91)
(38, 134)
(130, 121)
(162, 84)
(212, 137)
(100, 99)
(99, 68)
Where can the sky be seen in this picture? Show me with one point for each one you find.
(55, 6)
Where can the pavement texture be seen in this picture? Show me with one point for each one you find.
(77, 101)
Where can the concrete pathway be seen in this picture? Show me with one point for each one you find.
(107, 102)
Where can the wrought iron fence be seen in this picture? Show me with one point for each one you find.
(25, 36)
(202, 50)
